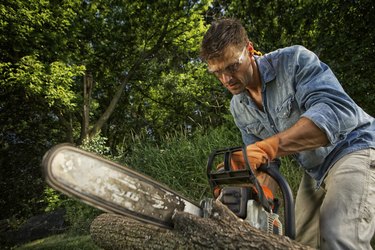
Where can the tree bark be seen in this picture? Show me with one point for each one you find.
(221, 230)
(87, 91)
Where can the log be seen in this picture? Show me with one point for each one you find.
(221, 230)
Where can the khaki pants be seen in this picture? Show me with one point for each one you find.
(341, 214)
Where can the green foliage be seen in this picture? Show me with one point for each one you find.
(161, 46)
(79, 216)
(348, 45)
(188, 96)
(37, 27)
(52, 198)
(37, 95)
(96, 144)
(52, 82)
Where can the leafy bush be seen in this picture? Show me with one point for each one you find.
(79, 216)
(52, 198)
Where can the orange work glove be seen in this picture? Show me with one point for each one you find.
(262, 151)
(258, 153)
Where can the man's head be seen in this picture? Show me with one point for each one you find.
(222, 34)
(228, 53)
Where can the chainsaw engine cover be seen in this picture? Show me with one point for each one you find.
(235, 198)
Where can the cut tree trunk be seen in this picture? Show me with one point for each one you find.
(221, 230)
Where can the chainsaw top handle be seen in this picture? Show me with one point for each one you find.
(228, 176)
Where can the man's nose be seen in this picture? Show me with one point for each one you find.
(224, 78)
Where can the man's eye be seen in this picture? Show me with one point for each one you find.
(232, 68)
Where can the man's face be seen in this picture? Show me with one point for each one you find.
(232, 69)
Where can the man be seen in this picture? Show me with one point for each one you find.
(288, 102)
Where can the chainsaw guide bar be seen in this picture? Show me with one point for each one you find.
(112, 187)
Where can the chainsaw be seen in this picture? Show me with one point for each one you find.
(115, 188)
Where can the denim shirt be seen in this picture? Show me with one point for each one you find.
(295, 84)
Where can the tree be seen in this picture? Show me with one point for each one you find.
(75, 68)
(154, 59)
(36, 89)
(345, 40)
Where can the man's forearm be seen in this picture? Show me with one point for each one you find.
(304, 135)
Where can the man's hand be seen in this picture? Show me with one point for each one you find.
(258, 153)
(262, 151)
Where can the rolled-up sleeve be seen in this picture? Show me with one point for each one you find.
(321, 95)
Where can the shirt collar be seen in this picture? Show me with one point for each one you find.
(266, 70)
(267, 74)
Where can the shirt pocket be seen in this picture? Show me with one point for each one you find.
(285, 109)
(257, 129)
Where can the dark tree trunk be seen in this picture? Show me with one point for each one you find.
(222, 230)
(87, 92)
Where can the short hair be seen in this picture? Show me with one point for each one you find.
(220, 35)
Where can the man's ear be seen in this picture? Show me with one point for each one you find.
(250, 48)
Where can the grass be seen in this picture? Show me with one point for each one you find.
(61, 242)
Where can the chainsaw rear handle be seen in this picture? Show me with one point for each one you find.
(243, 176)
